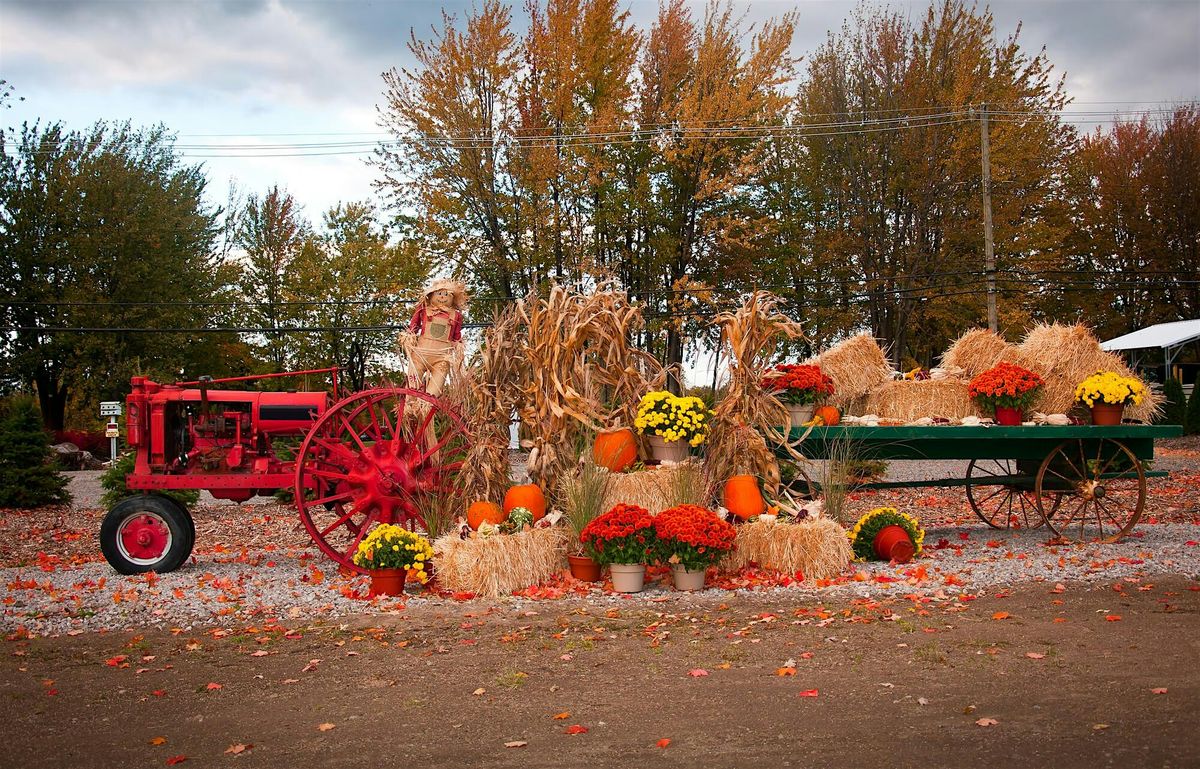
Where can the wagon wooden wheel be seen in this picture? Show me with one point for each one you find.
(375, 458)
(1003, 496)
(1103, 487)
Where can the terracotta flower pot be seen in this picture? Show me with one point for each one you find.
(388, 581)
(801, 412)
(892, 543)
(1107, 413)
(584, 568)
(687, 579)
(628, 577)
(1010, 417)
(668, 451)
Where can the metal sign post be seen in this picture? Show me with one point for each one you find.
(112, 431)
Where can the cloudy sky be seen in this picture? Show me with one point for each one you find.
(254, 73)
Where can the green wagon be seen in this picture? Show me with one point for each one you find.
(1083, 482)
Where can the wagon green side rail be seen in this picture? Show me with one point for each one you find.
(1084, 482)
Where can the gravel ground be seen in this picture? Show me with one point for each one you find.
(220, 590)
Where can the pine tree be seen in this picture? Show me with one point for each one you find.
(1175, 409)
(27, 477)
(1192, 425)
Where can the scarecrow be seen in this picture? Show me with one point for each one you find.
(433, 341)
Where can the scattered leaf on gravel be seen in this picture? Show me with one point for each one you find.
(575, 729)
(238, 748)
(697, 672)
(176, 760)
(809, 693)
(664, 742)
(1035, 655)
(1112, 617)
(516, 744)
(1099, 727)
(479, 691)
(785, 671)
(325, 727)
(212, 687)
(158, 740)
(1001, 615)
(986, 722)
(563, 716)
(1159, 690)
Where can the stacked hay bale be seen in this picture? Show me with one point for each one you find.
(978, 350)
(909, 400)
(817, 549)
(491, 567)
(1064, 355)
(857, 366)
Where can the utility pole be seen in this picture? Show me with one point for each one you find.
(989, 254)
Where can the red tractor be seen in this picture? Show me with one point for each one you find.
(373, 457)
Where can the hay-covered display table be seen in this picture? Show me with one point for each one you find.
(1084, 482)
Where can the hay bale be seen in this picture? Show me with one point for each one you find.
(857, 366)
(491, 567)
(979, 349)
(655, 488)
(909, 400)
(818, 549)
(1065, 355)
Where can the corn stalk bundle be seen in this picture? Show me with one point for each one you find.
(748, 417)
(578, 357)
(491, 392)
(818, 549)
(1064, 355)
(495, 566)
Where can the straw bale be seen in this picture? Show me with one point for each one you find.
(857, 366)
(818, 549)
(979, 349)
(654, 488)
(1065, 355)
(491, 567)
(909, 400)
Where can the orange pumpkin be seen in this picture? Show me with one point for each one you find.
(742, 497)
(829, 415)
(528, 496)
(615, 449)
(480, 512)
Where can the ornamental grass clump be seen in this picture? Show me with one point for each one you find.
(673, 417)
(625, 534)
(862, 536)
(394, 547)
(693, 537)
(1005, 385)
(1111, 388)
(797, 384)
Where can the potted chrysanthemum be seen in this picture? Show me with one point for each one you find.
(1107, 393)
(1006, 389)
(389, 553)
(887, 534)
(799, 387)
(675, 424)
(623, 538)
(692, 538)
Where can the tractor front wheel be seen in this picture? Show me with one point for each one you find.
(147, 533)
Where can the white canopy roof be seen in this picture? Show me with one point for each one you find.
(1161, 335)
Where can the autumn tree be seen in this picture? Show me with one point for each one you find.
(104, 228)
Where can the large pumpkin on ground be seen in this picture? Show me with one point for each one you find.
(615, 449)
(529, 496)
(743, 498)
(829, 415)
(480, 512)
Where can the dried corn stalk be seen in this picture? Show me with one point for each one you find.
(749, 421)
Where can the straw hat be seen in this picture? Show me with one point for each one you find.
(458, 290)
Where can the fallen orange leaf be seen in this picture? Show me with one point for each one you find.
(575, 729)
(212, 687)
(1001, 615)
(516, 744)
(563, 716)
(809, 693)
(1159, 690)
(158, 740)
(986, 722)
(697, 672)
(1112, 617)
(176, 760)
(664, 742)
(238, 748)
(785, 671)
(325, 727)
(1035, 655)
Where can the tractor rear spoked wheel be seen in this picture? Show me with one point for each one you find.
(145, 533)
(376, 457)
